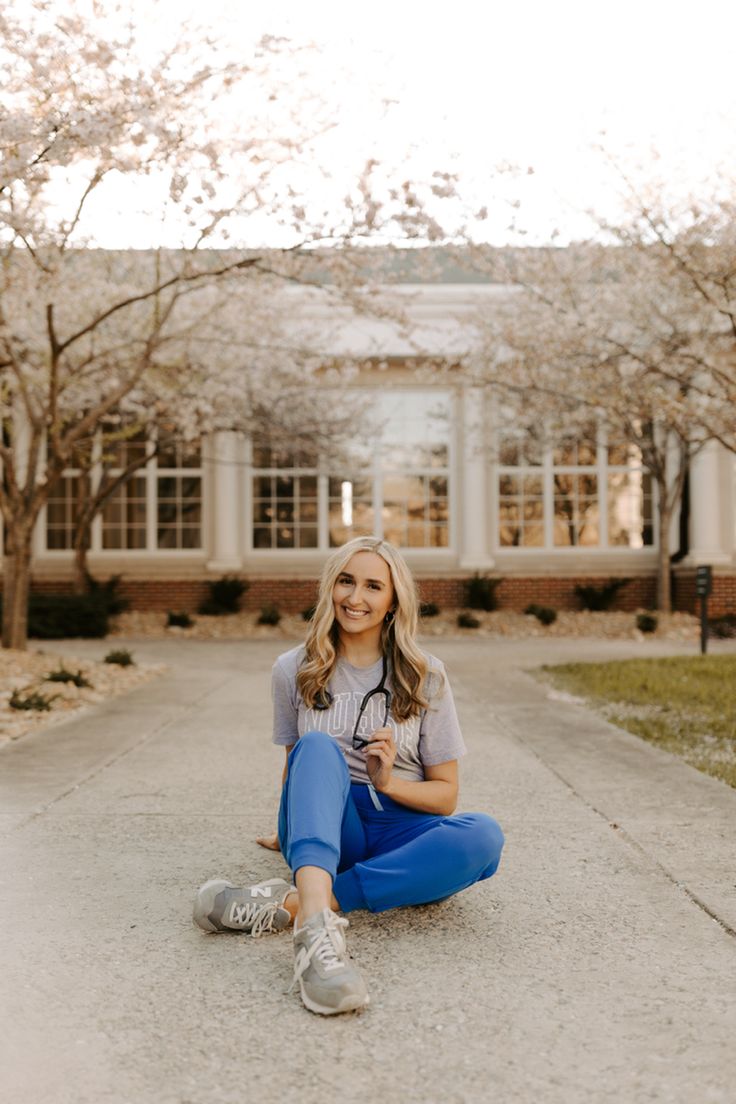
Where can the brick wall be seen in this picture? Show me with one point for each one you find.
(722, 599)
(292, 595)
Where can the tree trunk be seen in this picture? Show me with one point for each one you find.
(82, 533)
(16, 585)
(82, 542)
(664, 567)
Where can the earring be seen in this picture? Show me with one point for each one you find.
(388, 619)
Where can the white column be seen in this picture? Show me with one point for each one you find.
(707, 508)
(223, 454)
(474, 482)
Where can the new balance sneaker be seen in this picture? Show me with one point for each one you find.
(328, 981)
(220, 906)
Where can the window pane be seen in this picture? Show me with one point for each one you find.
(166, 513)
(166, 487)
(56, 513)
(308, 537)
(191, 486)
(360, 522)
(508, 485)
(190, 538)
(112, 538)
(166, 537)
(415, 536)
(262, 486)
(261, 537)
(179, 511)
(533, 536)
(58, 539)
(439, 536)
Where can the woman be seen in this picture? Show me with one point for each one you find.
(370, 782)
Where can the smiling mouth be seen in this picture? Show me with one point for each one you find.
(354, 613)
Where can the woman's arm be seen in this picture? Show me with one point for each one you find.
(272, 842)
(436, 794)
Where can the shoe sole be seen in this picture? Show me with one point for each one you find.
(348, 1004)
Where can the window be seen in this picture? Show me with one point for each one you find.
(284, 499)
(394, 484)
(124, 516)
(159, 506)
(521, 510)
(576, 493)
(60, 511)
(178, 497)
(575, 485)
(351, 512)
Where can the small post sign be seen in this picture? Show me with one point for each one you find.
(703, 587)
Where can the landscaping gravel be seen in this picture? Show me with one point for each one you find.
(499, 623)
(26, 671)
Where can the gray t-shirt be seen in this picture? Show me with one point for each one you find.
(423, 741)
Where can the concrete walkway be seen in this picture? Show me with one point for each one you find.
(598, 966)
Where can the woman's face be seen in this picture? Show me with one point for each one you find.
(362, 596)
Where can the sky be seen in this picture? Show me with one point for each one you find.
(471, 86)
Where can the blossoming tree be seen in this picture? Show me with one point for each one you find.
(91, 123)
(618, 335)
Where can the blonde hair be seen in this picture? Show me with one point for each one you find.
(407, 664)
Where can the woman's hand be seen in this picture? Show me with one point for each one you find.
(380, 754)
(271, 842)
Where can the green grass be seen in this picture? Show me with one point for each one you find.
(682, 704)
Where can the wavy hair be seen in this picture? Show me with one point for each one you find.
(407, 664)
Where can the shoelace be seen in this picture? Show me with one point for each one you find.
(260, 918)
(327, 947)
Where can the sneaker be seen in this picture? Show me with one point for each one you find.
(328, 981)
(221, 906)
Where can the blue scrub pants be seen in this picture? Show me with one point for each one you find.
(378, 858)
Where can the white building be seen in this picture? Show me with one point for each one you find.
(433, 478)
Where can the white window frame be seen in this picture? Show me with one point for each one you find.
(150, 472)
(546, 470)
(379, 469)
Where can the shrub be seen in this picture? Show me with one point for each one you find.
(723, 627)
(308, 613)
(106, 594)
(62, 675)
(429, 609)
(600, 597)
(467, 621)
(178, 620)
(269, 615)
(224, 596)
(122, 657)
(55, 616)
(34, 700)
(480, 592)
(544, 614)
(646, 622)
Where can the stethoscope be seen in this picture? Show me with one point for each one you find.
(325, 701)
